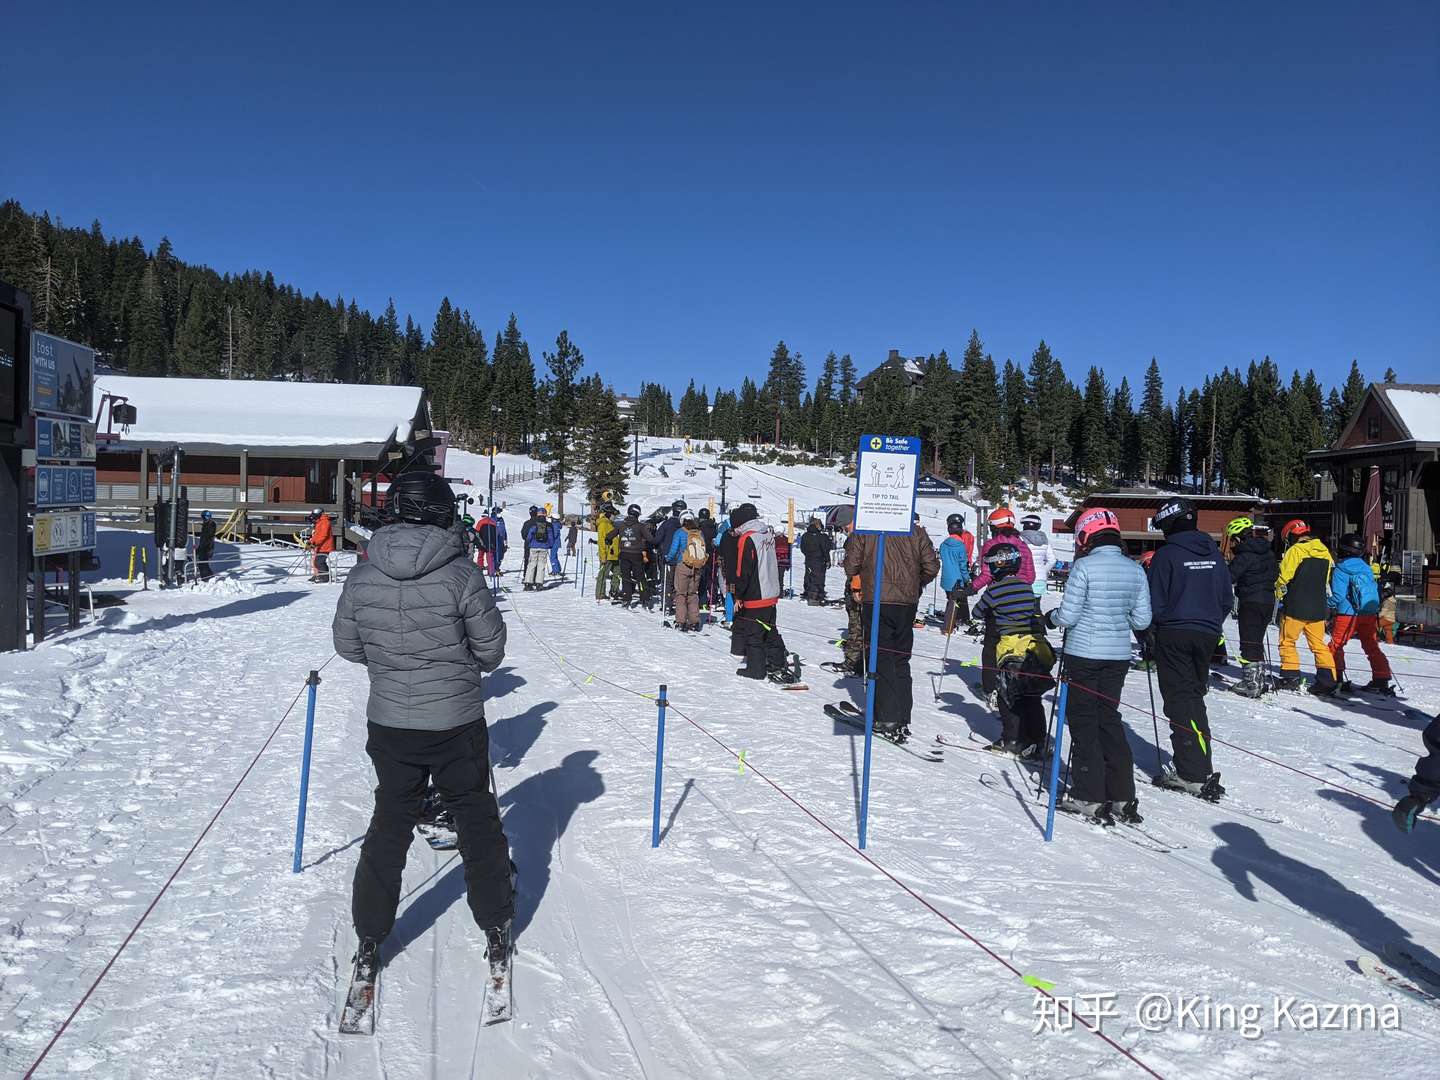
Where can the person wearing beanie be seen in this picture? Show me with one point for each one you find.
(752, 576)
(816, 546)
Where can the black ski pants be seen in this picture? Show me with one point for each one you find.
(1022, 720)
(896, 641)
(815, 579)
(988, 672)
(1182, 667)
(632, 577)
(755, 636)
(458, 760)
(1102, 768)
(1254, 619)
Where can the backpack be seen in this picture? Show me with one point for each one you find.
(540, 535)
(693, 554)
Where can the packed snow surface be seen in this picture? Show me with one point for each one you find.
(752, 942)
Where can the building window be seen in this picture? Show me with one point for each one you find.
(1355, 475)
(1372, 428)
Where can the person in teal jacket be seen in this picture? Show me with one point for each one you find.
(955, 572)
(1355, 602)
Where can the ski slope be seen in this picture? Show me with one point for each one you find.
(754, 942)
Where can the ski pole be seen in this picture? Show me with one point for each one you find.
(943, 661)
(1154, 721)
(1054, 702)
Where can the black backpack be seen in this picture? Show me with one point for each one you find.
(540, 535)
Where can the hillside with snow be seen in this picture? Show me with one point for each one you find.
(755, 941)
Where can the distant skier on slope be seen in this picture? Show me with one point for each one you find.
(420, 617)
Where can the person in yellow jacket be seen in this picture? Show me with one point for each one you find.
(1303, 590)
(607, 581)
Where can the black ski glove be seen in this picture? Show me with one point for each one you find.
(1406, 811)
(1050, 619)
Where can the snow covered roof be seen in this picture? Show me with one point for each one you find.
(245, 414)
(1417, 405)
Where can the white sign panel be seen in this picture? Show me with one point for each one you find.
(885, 472)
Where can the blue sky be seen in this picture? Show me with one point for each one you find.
(679, 186)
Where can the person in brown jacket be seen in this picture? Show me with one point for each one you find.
(910, 565)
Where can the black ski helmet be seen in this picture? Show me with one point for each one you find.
(534, 510)
(1175, 515)
(421, 498)
(678, 506)
(955, 523)
(743, 513)
(1030, 521)
(704, 513)
(1351, 544)
(1003, 560)
(607, 507)
(633, 510)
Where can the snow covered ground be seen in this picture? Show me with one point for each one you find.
(753, 942)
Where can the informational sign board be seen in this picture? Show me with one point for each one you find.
(885, 472)
(64, 440)
(62, 377)
(71, 530)
(930, 486)
(64, 485)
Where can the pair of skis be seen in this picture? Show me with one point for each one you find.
(497, 1005)
(845, 712)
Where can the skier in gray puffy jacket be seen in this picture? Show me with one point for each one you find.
(420, 617)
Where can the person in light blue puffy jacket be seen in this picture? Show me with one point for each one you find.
(1106, 597)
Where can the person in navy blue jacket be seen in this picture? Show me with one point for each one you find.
(1425, 784)
(1190, 596)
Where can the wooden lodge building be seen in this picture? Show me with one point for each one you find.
(268, 451)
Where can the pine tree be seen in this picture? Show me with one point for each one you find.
(1154, 425)
(1390, 376)
(1016, 425)
(1353, 392)
(1049, 409)
(560, 415)
(197, 346)
(1124, 431)
(1095, 446)
(601, 450)
(847, 380)
(514, 387)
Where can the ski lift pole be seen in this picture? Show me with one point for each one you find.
(313, 682)
(659, 769)
(1154, 720)
(1055, 759)
(870, 687)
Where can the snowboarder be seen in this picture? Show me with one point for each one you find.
(910, 565)
(748, 554)
(634, 540)
(607, 540)
(1425, 784)
(1303, 589)
(1002, 531)
(1107, 597)
(544, 536)
(1355, 602)
(1190, 598)
(956, 551)
(816, 546)
(322, 543)
(1040, 551)
(689, 555)
(421, 618)
(1253, 569)
(205, 546)
(1011, 611)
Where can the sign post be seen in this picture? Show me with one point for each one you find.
(885, 470)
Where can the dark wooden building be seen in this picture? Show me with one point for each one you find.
(1396, 430)
(266, 452)
(1136, 506)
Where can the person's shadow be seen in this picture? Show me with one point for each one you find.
(1416, 851)
(511, 737)
(538, 810)
(1244, 857)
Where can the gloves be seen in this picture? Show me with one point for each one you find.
(592, 540)
(1050, 619)
(1406, 811)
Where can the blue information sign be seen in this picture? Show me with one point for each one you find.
(64, 485)
(62, 376)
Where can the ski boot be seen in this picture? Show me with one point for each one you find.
(1208, 789)
(1290, 681)
(1326, 687)
(1130, 812)
(1377, 686)
(1097, 813)
(896, 733)
(1004, 746)
(497, 944)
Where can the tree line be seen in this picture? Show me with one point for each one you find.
(150, 313)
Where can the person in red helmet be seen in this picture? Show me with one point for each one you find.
(1002, 532)
(1303, 590)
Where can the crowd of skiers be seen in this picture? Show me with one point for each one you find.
(427, 735)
